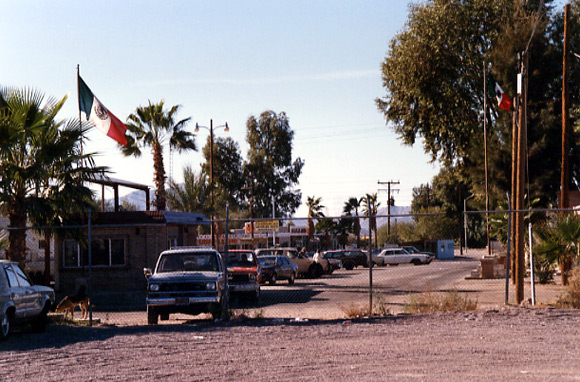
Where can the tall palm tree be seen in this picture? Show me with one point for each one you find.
(42, 166)
(314, 211)
(371, 207)
(350, 206)
(152, 126)
(559, 242)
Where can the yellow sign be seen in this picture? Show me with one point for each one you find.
(267, 225)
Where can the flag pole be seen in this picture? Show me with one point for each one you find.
(79, 102)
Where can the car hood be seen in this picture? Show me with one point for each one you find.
(43, 289)
(184, 276)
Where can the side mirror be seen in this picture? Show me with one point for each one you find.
(147, 272)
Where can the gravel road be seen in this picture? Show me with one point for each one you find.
(515, 344)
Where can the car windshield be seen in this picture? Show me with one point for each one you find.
(185, 262)
(267, 260)
(245, 259)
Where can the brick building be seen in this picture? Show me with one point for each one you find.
(123, 243)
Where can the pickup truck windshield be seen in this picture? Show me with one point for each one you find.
(188, 262)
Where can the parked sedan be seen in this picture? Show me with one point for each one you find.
(412, 249)
(396, 256)
(350, 258)
(276, 267)
(20, 301)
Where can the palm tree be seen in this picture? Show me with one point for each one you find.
(42, 166)
(350, 206)
(559, 242)
(193, 195)
(152, 126)
(314, 211)
(371, 207)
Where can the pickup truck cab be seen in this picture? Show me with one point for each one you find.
(189, 280)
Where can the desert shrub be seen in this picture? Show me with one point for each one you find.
(359, 310)
(571, 299)
(438, 302)
(544, 269)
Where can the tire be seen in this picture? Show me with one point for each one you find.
(164, 316)
(5, 326)
(152, 316)
(349, 266)
(255, 297)
(315, 271)
(292, 278)
(416, 262)
(40, 323)
(272, 279)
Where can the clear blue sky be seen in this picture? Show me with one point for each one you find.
(318, 61)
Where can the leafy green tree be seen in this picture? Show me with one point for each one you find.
(269, 162)
(43, 169)
(228, 172)
(446, 42)
(153, 126)
(351, 206)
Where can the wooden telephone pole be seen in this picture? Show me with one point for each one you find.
(389, 183)
(565, 175)
(519, 247)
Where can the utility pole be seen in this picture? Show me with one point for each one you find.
(485, 156)
(251, 188)
(389, 183)
(565, 116)
(566, 264)
(520, 264)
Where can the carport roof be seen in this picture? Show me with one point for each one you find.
(150, 217)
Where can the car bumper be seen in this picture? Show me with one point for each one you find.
(244, 288)
(182, 301)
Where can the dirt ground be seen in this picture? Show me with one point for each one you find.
(513, 344)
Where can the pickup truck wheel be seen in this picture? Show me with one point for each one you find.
(272, 279)
(349, 266)
(292, 278)
(5, 326)
(152, 316)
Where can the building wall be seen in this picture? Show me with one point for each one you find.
(122, 284)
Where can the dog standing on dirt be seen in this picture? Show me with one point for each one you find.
(69, 303)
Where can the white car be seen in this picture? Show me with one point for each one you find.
(20, 301)
(396, 256)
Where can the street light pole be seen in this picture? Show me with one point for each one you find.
(210, 128)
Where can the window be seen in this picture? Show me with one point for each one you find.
(22, 278)
(104, 253)
(12, 280)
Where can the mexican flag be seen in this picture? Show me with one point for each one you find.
(99, 115)
(494, 90)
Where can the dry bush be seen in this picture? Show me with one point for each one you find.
(354, 310)
(438, 302)
(571, 298)
(357, 310)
